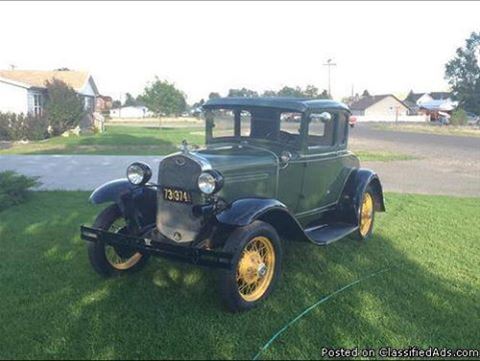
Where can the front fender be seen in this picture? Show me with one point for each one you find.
(111, 191)
(137, 203)
(244, 211)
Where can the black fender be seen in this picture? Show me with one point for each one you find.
(111, 191)
(244, 211)
(351, 198)
(137, 203)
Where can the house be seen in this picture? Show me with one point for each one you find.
(416, 100)
(135, 111)
(24, 91)
(379, 107)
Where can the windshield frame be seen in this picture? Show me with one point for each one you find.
(237, 137)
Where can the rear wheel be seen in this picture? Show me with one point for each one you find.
(367, 215)
(111, 260)
(257, 256)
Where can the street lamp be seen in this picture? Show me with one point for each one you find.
(329, 64)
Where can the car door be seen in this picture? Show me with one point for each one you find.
(323, 167)
(290, 173)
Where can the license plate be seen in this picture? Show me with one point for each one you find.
(176, 195)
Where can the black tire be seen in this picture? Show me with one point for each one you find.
(97, 250)
(236, 244)
(359, 235)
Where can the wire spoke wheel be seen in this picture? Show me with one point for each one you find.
(366, 214)
(120, 259)
(256, 268)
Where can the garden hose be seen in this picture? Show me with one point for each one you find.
(307, 310)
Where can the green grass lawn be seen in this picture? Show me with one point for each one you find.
(53, 305)
(382, 156)
(465, 130)
(117, 140)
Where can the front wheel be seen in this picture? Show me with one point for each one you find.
(113, 260)
(257, 258)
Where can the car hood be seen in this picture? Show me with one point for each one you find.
(248, 171)
(230, 158)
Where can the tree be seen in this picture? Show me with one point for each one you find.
(214, 95)
(64, 107)
(244, 92)
(130, 101)
(163, 98)
(325, 94)
(116, 104)
(287, 91)
(365, 93)
(311, 91)
(269, 93)
(463, 74)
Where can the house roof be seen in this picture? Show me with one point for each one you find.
(440, 95)
(413, 97)
(284, 103)
(366, 102)
(37, 78)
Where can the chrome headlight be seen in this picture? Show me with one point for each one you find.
(138, 173)
(210, 182)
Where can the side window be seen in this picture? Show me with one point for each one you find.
(321, 129)
(342, 129)
(290, 127)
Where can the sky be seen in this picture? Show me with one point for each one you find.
(214, 46)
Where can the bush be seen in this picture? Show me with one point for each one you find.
(64, 107)
(23, 127)
(459, 117)
(15, 188)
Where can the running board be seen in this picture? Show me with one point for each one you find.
(326, 234)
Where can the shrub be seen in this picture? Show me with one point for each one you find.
(23, 127)
(64, 107)
(459, 117)
(15, 188)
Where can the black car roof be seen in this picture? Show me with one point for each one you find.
(284, 103)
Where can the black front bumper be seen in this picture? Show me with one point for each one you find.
(193, 255)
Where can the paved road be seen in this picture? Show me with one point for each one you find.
(445, 164)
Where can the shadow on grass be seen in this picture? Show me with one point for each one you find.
(55, 306)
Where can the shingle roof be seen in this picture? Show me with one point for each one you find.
(440, 95)
(366, 102)
(36, 78)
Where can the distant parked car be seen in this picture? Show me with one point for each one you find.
(473, 119)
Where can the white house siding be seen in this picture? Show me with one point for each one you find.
(130, 112)
(387, 107)
(13, 98)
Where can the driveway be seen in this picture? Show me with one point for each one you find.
(444, 165)
(73, 172)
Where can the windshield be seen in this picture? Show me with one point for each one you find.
(252, 124)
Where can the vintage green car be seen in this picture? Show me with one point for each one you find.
(272, 170)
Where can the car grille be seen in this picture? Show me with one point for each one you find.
(176, 220)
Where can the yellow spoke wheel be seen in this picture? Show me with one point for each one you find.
(256, 268)
(366, 214)
(121, 263)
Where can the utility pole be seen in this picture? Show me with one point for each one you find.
(329, 64)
